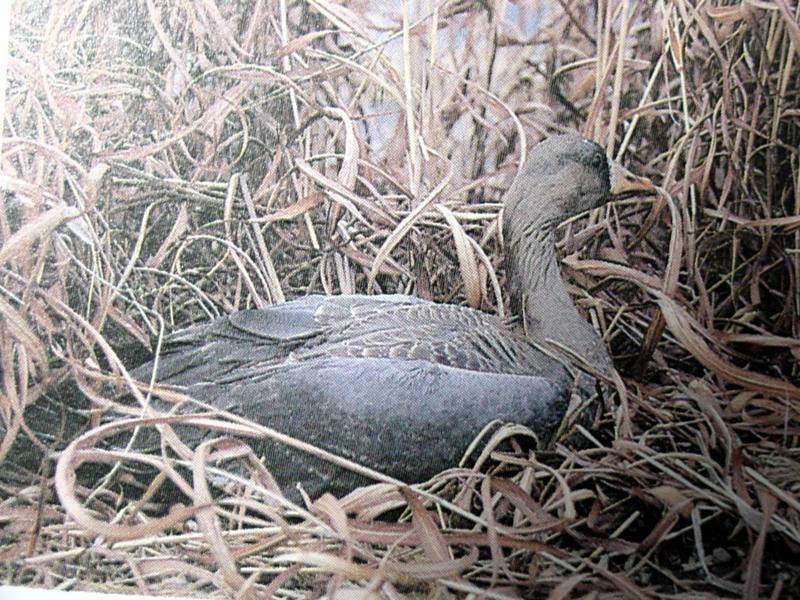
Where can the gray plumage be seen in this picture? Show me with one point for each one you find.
(399, 384)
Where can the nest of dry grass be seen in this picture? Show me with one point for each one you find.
(164, 163)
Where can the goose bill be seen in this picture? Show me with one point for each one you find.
(626, 184)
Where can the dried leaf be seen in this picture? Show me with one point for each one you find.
(466, 258)
(20, 241)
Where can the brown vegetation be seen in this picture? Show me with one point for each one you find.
(165, 162)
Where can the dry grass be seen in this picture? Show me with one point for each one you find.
(163, 163)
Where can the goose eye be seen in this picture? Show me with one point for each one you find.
(597, 161)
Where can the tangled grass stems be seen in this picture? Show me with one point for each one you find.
(164, 163)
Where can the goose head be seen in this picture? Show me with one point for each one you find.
(564, 176)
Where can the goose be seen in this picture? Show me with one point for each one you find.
(399, 384)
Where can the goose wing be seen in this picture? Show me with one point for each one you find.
(395, 383)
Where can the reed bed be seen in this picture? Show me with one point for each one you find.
(164, 163)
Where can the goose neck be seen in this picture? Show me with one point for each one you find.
(539, 295)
